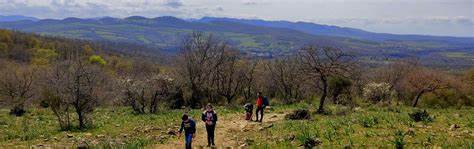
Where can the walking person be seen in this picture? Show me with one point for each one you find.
(189, 127)
(209, 117)
(260, 107)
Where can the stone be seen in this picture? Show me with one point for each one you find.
(171, 132)
(100, 136)
(300, 114)
(249, 141)
(358, 109)
(124, 135)
(312, 143)
(347, 146)
(82, 145)
(454, 127)
(69, 135)
(291, 137)
(411, 132)
(268, 126)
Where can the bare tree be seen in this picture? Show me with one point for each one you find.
(17, 86)
(141, 86)
(248, 81)
(285, 74)
(423, 80)
(200, 57)
(74, 85)
(321, 63)
(229, 76)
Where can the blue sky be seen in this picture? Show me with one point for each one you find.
(431, 17)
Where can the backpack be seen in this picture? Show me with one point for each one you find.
(266, 102)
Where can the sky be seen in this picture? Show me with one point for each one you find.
(427, 17)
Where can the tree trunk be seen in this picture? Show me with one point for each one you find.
(154, 103)
(229, 99)
(323, 97)
(80, 116)
(417, 97)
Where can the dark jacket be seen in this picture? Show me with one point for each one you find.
(248, 107)
(188, 127)
(209, 116)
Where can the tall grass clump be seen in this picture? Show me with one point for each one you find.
(368, 121)
(399, 139)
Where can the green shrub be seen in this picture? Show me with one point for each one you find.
(423, 116)
(368, 121)
(399, 140)
(96, 59)
(307, 139)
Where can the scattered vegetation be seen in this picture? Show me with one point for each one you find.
(94, 95)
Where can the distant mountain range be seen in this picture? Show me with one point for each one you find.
(256, 37)
(13, 18)
(318, 29)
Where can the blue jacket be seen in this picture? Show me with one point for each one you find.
(188, 127)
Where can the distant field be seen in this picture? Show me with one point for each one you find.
(361, 127)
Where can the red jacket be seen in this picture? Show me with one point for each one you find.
(260, 101)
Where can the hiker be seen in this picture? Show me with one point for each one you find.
(248, 107)
(260, 107)
(209, 117)
(189, 127)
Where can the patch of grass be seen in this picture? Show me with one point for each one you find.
(368, 121)
(399, 139)
(363, 128)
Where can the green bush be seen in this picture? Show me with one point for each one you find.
(96, 59)
(399, 140)
(307, 139)
(368, 121)
(423, 116)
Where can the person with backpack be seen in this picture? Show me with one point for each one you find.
(248, 107)
(189, 127)
(261, 103)
(209, 117)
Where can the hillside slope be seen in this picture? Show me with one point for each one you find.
(257, 39)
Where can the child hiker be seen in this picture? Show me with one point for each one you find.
(209, 117)
(248, 107)
(189, 127)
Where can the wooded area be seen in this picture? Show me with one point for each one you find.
(75, 76)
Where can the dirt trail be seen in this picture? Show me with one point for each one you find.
(227, 132)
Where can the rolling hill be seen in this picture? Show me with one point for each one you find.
(14, 18)
(258, 37)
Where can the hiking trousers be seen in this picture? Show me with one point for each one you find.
(189, 140)
(259, 111)
(210, 134)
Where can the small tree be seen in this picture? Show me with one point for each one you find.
(338, 86)
(376, 92)
(423, 80)
(229, 76)
(74, 85)
(248, 82)
(320, 64)
(286, 76)
(201, 59)
(17, 86)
